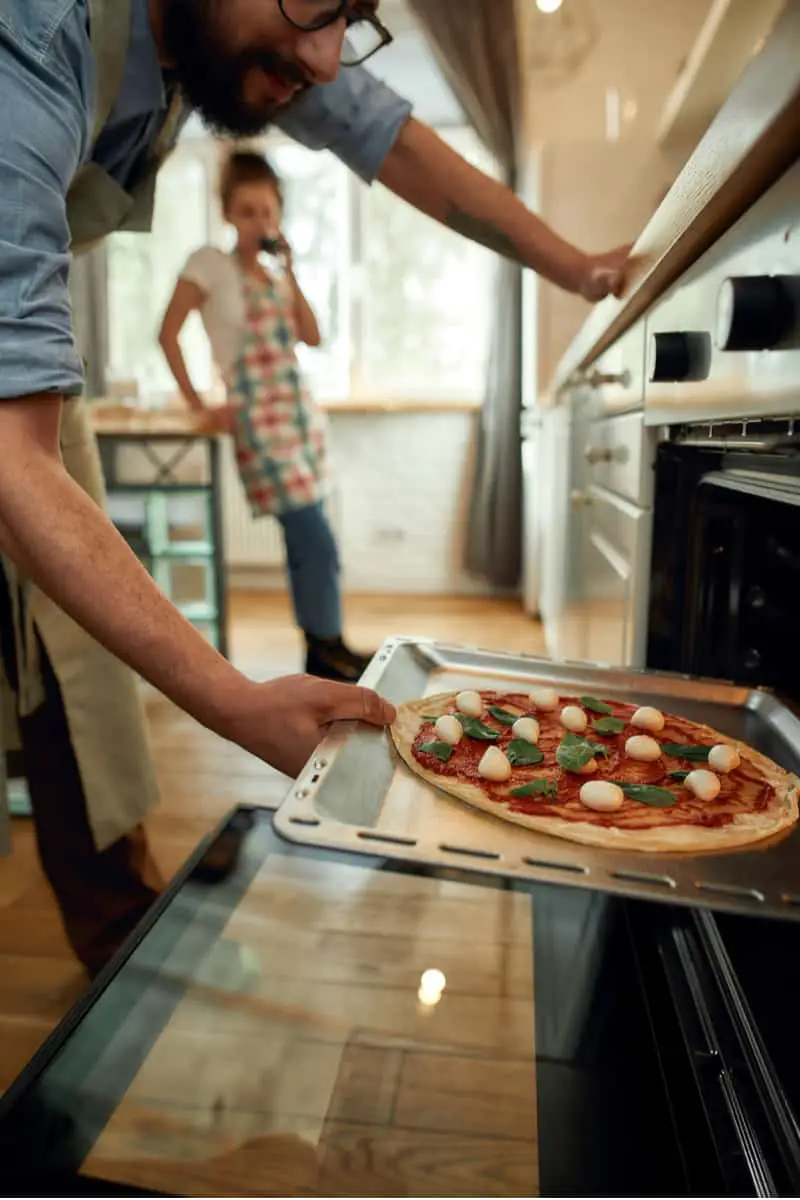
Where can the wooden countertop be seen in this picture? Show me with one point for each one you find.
(754, 138)
(120, 419)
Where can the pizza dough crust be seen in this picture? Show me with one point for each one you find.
(743, 830)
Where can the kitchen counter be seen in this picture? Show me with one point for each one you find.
(127, 420)
(753, 139)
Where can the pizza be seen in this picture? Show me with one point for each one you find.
(597, 771)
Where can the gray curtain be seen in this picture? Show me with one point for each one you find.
(88, 287)
(475, 42)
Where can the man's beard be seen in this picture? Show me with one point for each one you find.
(211, 76)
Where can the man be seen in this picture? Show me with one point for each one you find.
(93, 94)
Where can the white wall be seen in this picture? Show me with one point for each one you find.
(403, 483)
(596, 192)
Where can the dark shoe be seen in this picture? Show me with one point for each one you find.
(330, 658)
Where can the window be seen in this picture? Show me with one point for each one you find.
(404, 304)
(141, 276)
(427, 297)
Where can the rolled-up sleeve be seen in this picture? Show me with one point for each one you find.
(357, 117)
(42, 137)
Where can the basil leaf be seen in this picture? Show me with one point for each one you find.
(690, 753)
(434, 719)
(580, 739)
(679, 775)
(505, 718)
(572, 757)
(440, 750)
(476, 729)
(523, 754)
(595, 706)
(608, 725)
(656, 797)
(537, 787)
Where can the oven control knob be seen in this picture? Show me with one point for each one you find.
(755, 312)
(670, 359)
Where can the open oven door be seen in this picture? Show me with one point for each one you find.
(722, 992)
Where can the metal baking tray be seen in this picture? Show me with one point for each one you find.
(356, 795)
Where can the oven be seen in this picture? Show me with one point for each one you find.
(725, 568)
(722, 395)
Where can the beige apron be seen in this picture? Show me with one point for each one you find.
(101, 697)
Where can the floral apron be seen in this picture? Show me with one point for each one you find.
(280, 433)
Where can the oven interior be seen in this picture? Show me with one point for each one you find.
(725, 574)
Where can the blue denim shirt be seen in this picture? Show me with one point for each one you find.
(46, 101)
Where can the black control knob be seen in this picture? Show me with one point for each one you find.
(755, 312)
(670, 358)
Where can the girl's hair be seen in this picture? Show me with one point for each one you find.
(243, 167)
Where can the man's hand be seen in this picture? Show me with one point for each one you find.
(283, 721)
(605, 274)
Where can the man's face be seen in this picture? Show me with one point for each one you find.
(239, 61)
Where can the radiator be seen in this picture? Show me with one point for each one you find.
(249, 541)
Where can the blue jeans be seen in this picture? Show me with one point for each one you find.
(313, 562)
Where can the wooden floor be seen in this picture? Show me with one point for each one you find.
(201, 778)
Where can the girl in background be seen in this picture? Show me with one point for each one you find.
(254, 317)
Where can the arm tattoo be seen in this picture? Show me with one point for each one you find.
(485, 233)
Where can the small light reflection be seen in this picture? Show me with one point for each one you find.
(548, 6)
(431, 986)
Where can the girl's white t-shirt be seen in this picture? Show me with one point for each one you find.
(223, 311)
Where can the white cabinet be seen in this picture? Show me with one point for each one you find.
(598, 522)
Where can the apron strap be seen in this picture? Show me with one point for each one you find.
(109, 30)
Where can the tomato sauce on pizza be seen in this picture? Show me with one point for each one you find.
(744, 790)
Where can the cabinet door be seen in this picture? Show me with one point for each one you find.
(559, 548)
(604, 616)
(615, 582)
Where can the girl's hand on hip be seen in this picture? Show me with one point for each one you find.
(222, 418)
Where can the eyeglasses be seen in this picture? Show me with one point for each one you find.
(366, 33)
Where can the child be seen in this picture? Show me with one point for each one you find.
(254, 316)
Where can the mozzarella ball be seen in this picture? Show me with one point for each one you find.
(602, 796)
(544, 698)
(573, 718)
(724, 758)
(449, 729)
(469, 703)
(648, 718)
(526, 728)
(588, 768)
(704, 784)
(494, 765)
(642, 748)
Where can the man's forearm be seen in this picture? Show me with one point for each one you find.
(423, 170)
(61, 540)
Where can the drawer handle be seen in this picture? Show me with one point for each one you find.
(580, 499)
(605, 454)
(609, 379)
